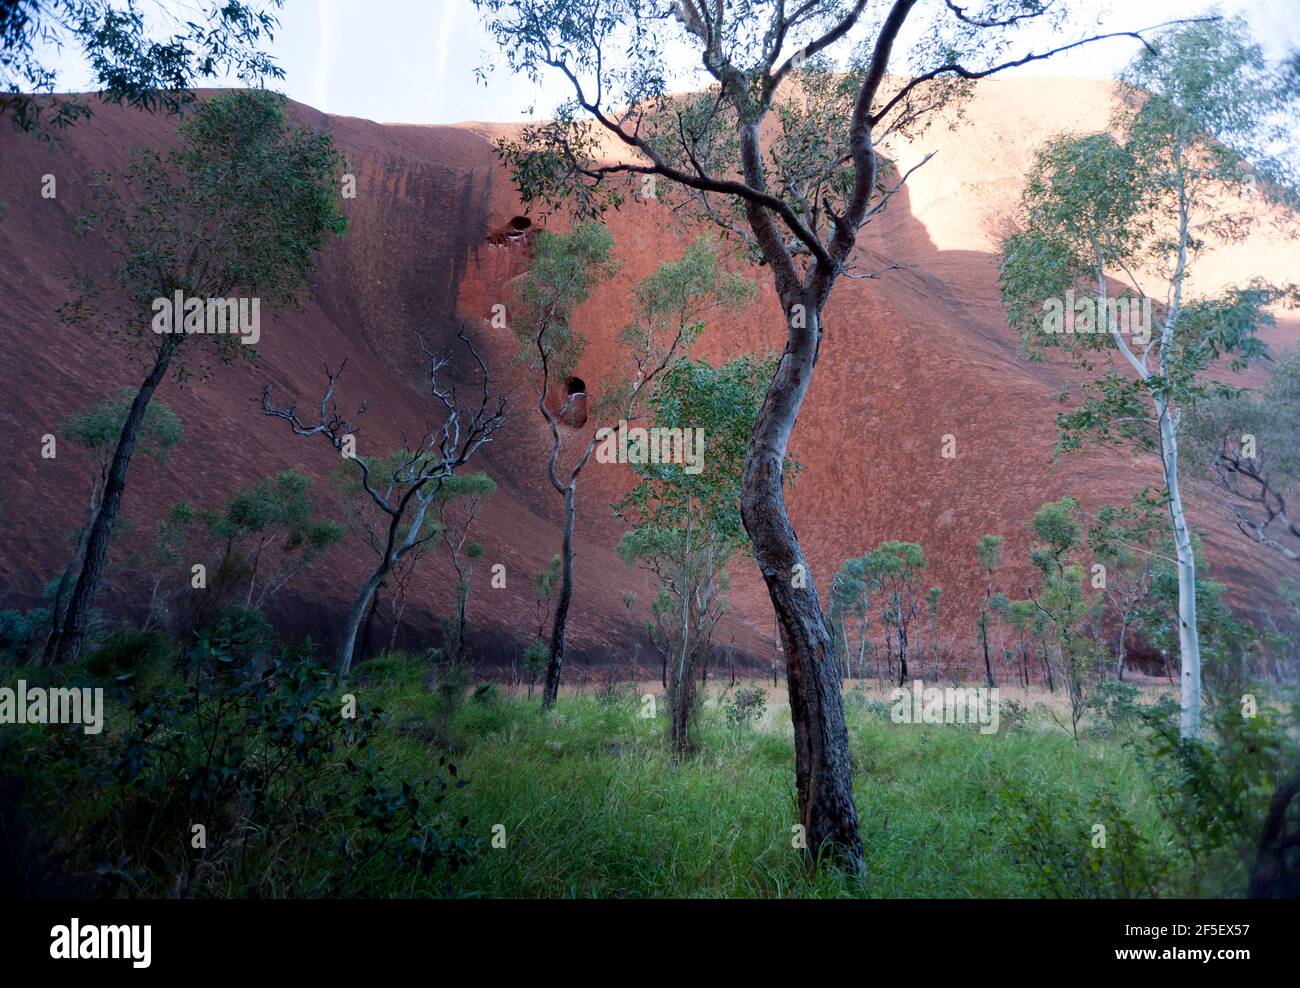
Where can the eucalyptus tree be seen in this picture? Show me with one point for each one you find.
(457, 507)
(96, 429)
(932, 599)
(1028, 623)
(785, 156)
(563, 270)
(171, 538)
(1114, 223)
(686, 522)
(400, 492)
(850, 601)
(237, 212)
(669, 307)
(1127, 548)
(896, 568)
(988, 552)
(141, 55)
(270, 529)
(1062, 600)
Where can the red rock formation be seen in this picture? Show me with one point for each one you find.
(436, 237)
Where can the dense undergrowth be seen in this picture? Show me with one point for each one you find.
(412, 781)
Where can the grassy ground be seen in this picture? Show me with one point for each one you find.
(586, 798)
(592, 804)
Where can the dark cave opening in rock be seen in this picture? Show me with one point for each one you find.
(573, 411)
(514, 231)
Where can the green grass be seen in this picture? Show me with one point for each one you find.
(594, 805)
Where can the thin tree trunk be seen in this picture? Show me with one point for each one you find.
(462, 618)
(73, 634)
(1189, 644)
(680, 694)
(823, 771)
(920, 644)
(153, 603)
(1123, 647)
(880, 678)
(555, 660)
(59, 606)
(934, 643)
(984, 640)
(353, 628)
(252, 578)
(370, 622)
(398, 611)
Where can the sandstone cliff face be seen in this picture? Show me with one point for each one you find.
(436, 237)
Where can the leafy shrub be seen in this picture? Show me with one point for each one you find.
(535, 661)
(1068, 857)
(238, 635)
(485, 714)
(746, 707)
(1012, 716)
(20, 631)
(1214, 792)
(390, 669)
(1115, 704)
(486, 694)
(128, 650)
(872, 707)
(450, 681)
(266, 762)
(617, 693)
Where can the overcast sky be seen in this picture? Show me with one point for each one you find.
(413, 61)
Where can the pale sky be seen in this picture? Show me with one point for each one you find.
(413, 61)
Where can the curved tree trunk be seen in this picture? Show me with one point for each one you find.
(347, 647)
(1271, 878)
(823, 774)
(73, 633)
(555, 660)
